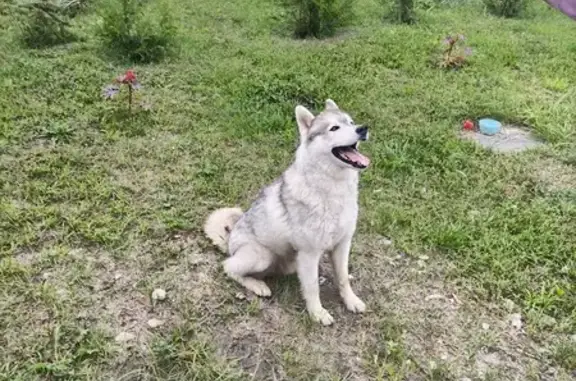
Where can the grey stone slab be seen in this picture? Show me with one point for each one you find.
(510, 139)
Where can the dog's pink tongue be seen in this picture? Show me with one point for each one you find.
(357, 157)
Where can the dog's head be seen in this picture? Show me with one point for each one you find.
(332, 134)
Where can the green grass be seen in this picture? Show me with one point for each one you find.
(76, 174)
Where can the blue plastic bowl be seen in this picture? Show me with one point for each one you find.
(489, 126)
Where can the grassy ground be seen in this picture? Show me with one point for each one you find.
(97, 211)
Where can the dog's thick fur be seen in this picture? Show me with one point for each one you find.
(310, 209)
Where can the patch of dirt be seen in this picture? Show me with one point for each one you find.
(113, 295)
(25, 257)
(409, 304)
(105, 292)
(440, 323)
(554, 175)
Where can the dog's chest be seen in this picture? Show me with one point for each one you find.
(333, 219)
(340, 217)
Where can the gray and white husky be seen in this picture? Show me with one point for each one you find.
(309, 210)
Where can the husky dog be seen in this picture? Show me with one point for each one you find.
(309, 210)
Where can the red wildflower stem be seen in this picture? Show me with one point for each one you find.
(130, 99)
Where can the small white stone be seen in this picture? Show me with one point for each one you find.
(350, 276)
(386, 242)
(515, 320)
(240, 296)
(158, 294)
(321, 280)
(155, 323)
(424, 257)
(82, 315)
(485, 326)
(123, 337)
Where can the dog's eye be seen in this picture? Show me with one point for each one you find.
(334, 128)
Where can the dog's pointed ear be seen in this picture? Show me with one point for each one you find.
(331, 105)
(304, 119)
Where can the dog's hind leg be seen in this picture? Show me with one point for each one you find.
(246, 261)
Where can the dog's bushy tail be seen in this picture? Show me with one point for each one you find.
(219, 224)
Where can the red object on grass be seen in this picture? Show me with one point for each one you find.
(468, 125)
(128, 77)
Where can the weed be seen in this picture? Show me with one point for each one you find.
(405, 11)
(455, 54)
(140, 31)
(506, 8)
(58, 132)
(320, 18)
(129, 81)
(399, 11)
(545, 300)
(46, 23)
(75, 7)
(564, 354)
(389, 359)
(438, 372)
(184, 356)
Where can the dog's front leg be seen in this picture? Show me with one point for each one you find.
(307, 268)
(340, 263)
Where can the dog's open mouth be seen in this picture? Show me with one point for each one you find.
(351, 156)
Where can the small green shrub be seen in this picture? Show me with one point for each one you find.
(405, 11)
(401, 11)
(143, 31)
(564, 354)
(45, 23)
(456, 53)
(506, 8)
(320, 18)
(75, 7)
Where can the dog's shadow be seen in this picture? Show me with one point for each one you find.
(286, 289)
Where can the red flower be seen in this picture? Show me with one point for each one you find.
(128, 78)
(468, 125)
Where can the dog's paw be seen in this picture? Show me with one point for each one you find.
(354, 304)
(322, 316)
(258, 287)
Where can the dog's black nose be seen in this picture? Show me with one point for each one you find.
(363, 132)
